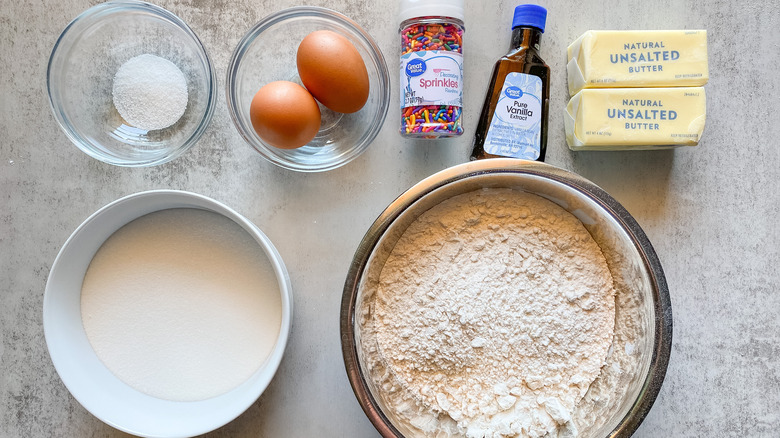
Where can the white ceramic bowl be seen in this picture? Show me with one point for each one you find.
(82, 372)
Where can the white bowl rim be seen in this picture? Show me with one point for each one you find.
(229, 405)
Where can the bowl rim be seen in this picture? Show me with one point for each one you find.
(661, 301)
(110, 7)
(140, 204)
(280, 16)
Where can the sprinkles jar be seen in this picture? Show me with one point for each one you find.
(431, 68)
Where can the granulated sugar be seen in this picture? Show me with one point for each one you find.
(150, 92)
(493, 315)
(181, 304)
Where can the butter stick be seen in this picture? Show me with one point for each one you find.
(635, 118)
(642, 58)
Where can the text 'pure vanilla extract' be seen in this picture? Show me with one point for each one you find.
(513, 121)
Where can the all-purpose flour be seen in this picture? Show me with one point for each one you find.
(493, 314)
(181, 304)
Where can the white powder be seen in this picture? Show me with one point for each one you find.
(181, 304)
(493, 314)
(150, 92)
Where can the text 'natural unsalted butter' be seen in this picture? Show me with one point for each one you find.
(638, 58)
(635, 118)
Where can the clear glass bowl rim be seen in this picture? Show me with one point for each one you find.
(278, 17)
(118, 6)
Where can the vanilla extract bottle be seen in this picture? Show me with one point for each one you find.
(513, 121)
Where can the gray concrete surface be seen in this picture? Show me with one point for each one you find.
(710, 211)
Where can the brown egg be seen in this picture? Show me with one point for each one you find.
(333, 71)
(285, 115)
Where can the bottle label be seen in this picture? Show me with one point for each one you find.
(516, 128)
(432, 77)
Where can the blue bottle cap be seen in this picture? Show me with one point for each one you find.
(530, 16)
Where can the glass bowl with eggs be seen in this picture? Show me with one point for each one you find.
(131, 84)
(308, 88)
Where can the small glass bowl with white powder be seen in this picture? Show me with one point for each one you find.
(131, 84)
(166, 313)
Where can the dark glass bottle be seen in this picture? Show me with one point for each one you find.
(513, 121)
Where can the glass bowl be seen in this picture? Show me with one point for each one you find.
(267, 53)
(81, 73)
(620, 398)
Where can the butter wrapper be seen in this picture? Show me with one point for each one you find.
(642, 58)
(635, 118)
